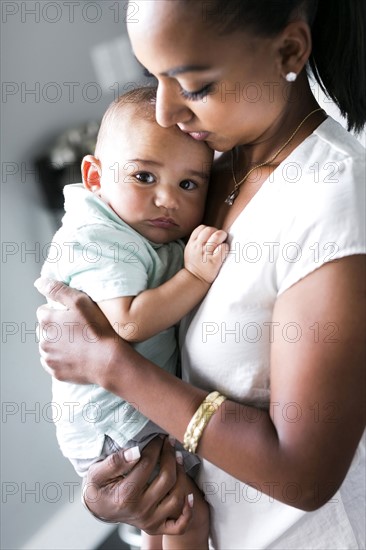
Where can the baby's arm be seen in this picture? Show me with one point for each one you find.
(137, 318)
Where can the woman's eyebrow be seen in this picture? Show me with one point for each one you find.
(176, 70)
(185, 69)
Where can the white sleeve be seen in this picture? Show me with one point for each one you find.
(327, 223)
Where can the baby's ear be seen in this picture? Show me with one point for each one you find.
(91, 170)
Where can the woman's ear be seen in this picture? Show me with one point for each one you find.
(91, 170)
(295, 48)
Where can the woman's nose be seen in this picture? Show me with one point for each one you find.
(170, 106)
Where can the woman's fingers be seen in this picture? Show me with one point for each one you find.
(174, 512)
(57, 291)
(78, 311)
(118, 490)
(123, 463)
(76, 341)
(151, 514)
(167, 476)
(113, 467)
(140, 475)
(115, 487)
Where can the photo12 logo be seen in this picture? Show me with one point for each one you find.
(53, 12)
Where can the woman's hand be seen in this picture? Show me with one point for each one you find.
(118, 491)
(76, 342)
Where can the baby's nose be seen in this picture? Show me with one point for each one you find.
(167, 198)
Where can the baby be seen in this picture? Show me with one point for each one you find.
(143, 191)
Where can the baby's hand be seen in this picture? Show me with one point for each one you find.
(205, 252)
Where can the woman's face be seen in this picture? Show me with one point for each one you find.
(227, 90)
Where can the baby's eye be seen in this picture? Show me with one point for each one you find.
(188, 185)
(145, 177)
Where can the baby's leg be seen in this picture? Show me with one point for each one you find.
(196, 536)
(151, 542)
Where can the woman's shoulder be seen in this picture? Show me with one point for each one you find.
(333, 140)
(327, 167)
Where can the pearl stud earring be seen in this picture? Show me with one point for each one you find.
(291, 77)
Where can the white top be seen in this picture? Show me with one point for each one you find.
(97, 252)
(311, 210)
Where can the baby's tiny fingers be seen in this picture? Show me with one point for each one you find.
(222, 249)
(197, 231)
(180, 525)
(218, 236)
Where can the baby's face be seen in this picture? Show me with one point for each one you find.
(155, 178)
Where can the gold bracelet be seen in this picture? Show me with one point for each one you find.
(200, 419)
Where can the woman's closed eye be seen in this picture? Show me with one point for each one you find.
(192, 96)
(199, 94)
(144, 177)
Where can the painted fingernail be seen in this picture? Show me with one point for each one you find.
(179, 457)
(190, 499)
(132, 454)
(172, 440)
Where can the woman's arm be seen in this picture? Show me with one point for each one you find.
(137, 318)
(299, 451)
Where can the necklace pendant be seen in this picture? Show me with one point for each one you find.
(231, 198)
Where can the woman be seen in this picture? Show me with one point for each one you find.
(280, 333)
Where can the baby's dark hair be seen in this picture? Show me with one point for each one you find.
(338, 30)
(142, 100)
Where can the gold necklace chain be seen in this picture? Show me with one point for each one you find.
(235, 192)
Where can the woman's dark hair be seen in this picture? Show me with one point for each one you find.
(339, 41)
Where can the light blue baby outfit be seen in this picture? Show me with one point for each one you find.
(98, 253)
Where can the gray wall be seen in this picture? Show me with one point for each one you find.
(35, 52)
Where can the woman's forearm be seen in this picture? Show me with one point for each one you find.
(290, 450)
(306, 437)
(159, 395)
(241, 440)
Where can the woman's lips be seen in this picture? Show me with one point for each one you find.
(164, 223)
(199, 136)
